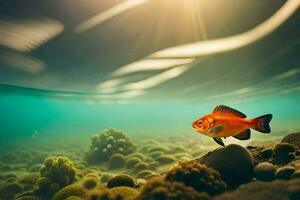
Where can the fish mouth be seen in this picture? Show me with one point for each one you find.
(194, 125)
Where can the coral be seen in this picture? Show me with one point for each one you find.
(90, 182)
(107, 143)
(159, 189)
(165, 159)
(283, 153)
(131, 162)
(56, 173)
(265, 171)
(30, 178)
(143, 174)
(103, 194)
(153, 165)
(156, 154)
(71, 190)
(276, 190)
(121, 180)
(284, 172)
(8, 191)
(233, 162)
(136, 155)
(126, 193)
(105, 177)
(296, 174)
(29, 198)
(140, 166)
(116, 161)
(197, 176)
(256, 154)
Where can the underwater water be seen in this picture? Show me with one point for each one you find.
(98, 98)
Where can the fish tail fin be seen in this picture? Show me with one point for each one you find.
(261, 123)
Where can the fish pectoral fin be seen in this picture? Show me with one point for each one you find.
(216, 129)
(245, 135)
(219, 141)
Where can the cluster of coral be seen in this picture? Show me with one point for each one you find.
(156, 170)
(109, 144)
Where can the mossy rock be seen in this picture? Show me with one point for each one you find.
(233, 162)
(121, 180)
(8, 191)
(143, 174)
(156, 154)
(30, 178)
(283, 153)
(265, 171)
(266, 153)
(131, 162)
(90, 182)
(140, 166)
(29, 198)
(165, 159)
(116, 161)
(284, 172)
(293, 138)
(277, 189)
(105, 177)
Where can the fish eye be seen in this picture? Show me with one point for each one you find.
(200, 122)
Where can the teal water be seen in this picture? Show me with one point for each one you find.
(40, 116)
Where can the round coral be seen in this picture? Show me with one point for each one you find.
(121, 180)
(126, 193)
(71, 191)
(90, 182)
(159, 189)
(116, 161)
(200, 177)
(56, 173)
(109, 142)
(103, 194)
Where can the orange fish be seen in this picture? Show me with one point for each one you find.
(225, 121)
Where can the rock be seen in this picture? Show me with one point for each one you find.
(10, 190)
(255, 151)
(296, 174)
(90, 182)
(275, 190)
(283, 153)
(265, 171)
(140, 166)
(234, 163)
(116, 161)
(165, 159)
(293, 138)
(266, 153)
(284, 172)
(131, 162)
(121, 180)
(143, 174)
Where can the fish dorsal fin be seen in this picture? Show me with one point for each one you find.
(228, 111)
(245, 135)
